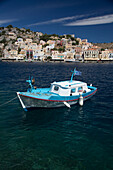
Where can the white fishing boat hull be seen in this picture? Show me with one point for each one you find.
(39, 103)
(28, 102)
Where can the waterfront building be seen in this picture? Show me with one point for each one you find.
(105, 55)
(54, 52)
(20, 57)
(29, 54)
(38, 55)
(91, 55)
(78, 53)
(6, 54)
(110, 56)
(13, 53)
(58, 57)
(70, 55)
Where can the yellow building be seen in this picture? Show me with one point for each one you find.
(91, 55)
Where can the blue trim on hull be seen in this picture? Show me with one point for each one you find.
(62, 98)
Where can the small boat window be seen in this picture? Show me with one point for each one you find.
(80, 89)
(73, 90)
(56, 88)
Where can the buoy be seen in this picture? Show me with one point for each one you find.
(67, 104)
(81, 100)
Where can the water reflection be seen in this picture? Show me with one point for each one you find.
(47, 117)
(43, 117)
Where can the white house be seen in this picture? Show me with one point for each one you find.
(12, 35)
(110, 56)
(49, 47)
(20, 40)
(105, 55)
(56, 56)
(38, 55)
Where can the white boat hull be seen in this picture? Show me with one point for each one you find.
(33, 103)
(28, 102)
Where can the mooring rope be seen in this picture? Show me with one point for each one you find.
(6, 91)
(8, 101)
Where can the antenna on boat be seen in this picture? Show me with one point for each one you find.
(75, 72)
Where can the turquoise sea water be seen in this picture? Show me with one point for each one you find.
(80, 138)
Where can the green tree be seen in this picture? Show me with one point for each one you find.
(9, 26)
(77, 42)
(9, 49)
(54, 49)
(68, 36)
(72, 39)
(73, 43)
(3, 32)
(3, 41)
(49, 58)
(54, 35)
(1, 28)
(28, 30)
(19, 49)
(45, 37)
(61, 36)
(61, 49)
(45, 45)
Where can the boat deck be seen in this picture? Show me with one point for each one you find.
(39, 93)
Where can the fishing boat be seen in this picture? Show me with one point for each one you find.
(60, 94)
(71, 60)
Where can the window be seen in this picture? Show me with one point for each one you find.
(73, 90)
(56, 88)
(80, 89)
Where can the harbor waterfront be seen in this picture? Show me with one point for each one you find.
(20, 44)
(79, 138)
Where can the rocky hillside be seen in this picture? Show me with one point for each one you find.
(104, 45)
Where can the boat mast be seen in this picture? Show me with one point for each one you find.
(73, 73)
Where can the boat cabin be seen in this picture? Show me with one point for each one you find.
(69, 88)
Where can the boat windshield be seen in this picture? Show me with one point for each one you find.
(56, 88)
(73, 90)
